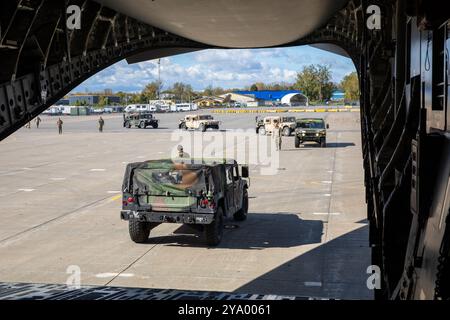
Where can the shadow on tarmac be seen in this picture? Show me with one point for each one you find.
(259, 231)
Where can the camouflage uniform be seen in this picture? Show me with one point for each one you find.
(101, 123)
(277, 134)
(59, 123)
(181, 153)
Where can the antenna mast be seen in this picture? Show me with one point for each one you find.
(159, 78)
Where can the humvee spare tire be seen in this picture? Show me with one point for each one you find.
(214, 230)
(286, 131)
(297, 142)
(262, 130)
(241, 215)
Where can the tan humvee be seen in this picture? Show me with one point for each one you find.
(198, 121)
(266, 125)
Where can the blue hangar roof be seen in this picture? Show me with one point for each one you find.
(270, 95)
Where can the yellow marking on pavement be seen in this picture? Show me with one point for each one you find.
(116, 197)
(232, 111)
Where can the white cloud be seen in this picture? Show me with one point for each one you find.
(226, 68)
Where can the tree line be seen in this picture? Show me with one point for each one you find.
(314, 80)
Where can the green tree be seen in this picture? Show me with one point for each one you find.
(151, 90)
(350, 85)
(315, 82)
(181, 91)
(211, 91)
(208, 91)
(102, 101)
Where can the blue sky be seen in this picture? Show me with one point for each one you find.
(235, 68)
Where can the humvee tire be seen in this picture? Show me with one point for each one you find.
(214, 230)
(286, 131)
(241, 215)
(202, 127)
(262, 131)
(297, 142)
(183, 126)
(139, 230)
(155, 126)
(141, 125)
(323, 143)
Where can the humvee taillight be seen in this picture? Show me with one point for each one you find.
(206, 203)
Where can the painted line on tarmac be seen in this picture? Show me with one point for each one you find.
(25, 190)
(58, 179)
(97, 170)
(115, 198)
(313, 284)
(114, 274)
(326, 213)
(21, 234)
(114, 191)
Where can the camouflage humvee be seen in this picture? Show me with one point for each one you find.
(196, 192)
(140, 120)
(198, 121)
(266, 125)
(311, 129)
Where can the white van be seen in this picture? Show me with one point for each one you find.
(138, 108)
(184, 107)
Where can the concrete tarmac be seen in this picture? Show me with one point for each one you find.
(305, 235)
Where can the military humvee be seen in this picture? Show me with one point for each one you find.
(198, 121)
(266, 125)
(140, 120)
(197, 192)
(311, 129)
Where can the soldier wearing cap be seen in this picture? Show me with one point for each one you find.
(59, 123)
(276, 134)
(181, 153)
(101, 123)
(38, 121)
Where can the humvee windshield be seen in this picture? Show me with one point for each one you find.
(288, 119)
(207, 117)
(311, 124)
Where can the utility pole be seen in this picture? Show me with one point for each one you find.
(159, 79)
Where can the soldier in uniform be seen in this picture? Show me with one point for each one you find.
(28, 125)
(59, 123)
(277, 134)
(101, 123)
(181, 153)
(38, 121)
